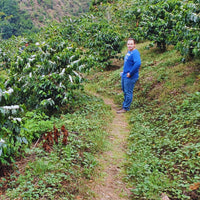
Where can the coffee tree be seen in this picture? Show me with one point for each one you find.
(46, 76)
(172, 22)
(101, 40)
(187, 27)
(10, 127)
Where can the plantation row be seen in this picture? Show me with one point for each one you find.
(44, 77)
(165, 22)
(45, 74)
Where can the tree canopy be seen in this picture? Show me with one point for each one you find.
(13, 21)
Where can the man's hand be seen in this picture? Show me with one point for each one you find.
(128, 75)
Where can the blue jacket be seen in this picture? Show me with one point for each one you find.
(132, 64)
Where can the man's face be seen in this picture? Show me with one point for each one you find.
(131, 45)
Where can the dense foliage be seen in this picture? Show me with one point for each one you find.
(45, 79)
(100, 39)
(13, 21)
(45, 74)
(10, 128)
(171, 22)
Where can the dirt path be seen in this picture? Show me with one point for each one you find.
(109, 184)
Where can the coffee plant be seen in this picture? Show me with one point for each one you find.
(157, 21)
(171, 22)
(10, 128)
(101, 40)
(188, 42)
(46, 76)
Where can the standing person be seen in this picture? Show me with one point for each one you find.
(130, 74)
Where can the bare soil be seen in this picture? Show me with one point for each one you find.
(109, 184)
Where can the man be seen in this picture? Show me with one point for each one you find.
(130, 74)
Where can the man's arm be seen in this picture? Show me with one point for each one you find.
(137, 63)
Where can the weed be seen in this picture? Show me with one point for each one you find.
(61, 172)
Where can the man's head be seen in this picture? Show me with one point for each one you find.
(131, 44)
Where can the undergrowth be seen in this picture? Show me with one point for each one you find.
(163, 146)
(164, 150)
(61, 173)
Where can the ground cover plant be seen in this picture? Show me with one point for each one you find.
(163, 152)
(164, 149)
(61, 172)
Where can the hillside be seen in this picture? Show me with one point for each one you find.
(20, 17)
(55, 128)
(164, 138)
(42, 11)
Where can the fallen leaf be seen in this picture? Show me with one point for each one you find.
(65, 135)
(195, 186)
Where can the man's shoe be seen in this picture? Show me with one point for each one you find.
(121, 111)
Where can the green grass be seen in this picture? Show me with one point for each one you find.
(163, 146)
(62, 173)
(164, 142)
(163, 152)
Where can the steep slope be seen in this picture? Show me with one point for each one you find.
(42, 11)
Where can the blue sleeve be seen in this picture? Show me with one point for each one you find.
(136, 62)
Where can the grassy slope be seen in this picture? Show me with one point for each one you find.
(164, 140)
(163, 143)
